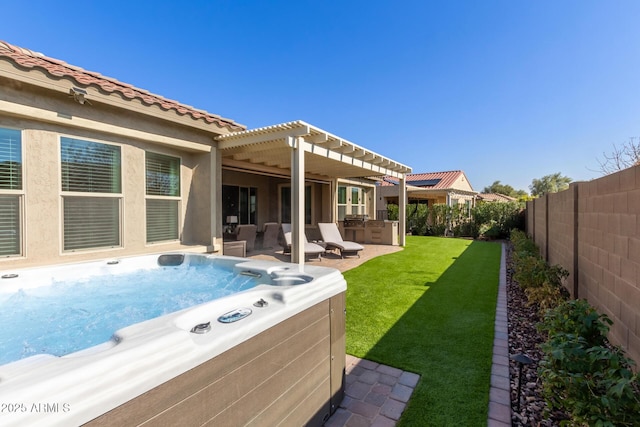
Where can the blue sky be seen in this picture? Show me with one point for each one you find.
(503, 90)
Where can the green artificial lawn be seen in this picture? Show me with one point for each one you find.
(430, 309)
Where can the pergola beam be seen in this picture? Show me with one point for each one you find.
(238, 140)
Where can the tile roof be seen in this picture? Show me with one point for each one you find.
(28, 59)
(495, 197)
(447, 179)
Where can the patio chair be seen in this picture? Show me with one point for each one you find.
(310, 249)
(332, 238)
(247, 232)
(270, 234)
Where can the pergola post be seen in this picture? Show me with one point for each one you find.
(402, 210)
(334, 200)
(297, 200)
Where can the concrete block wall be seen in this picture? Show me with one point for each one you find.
(540, 219)
(562, 220)
(593, 230)
(529, 214)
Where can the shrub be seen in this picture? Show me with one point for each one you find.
(543, 284)
(522, 243)
(530, 271)
(393, 212)
(579, 318)
(466, 229)
(546, 296)
(417, 219)
(581, 374)
(491, 220)
(495, 220)
(437, 220)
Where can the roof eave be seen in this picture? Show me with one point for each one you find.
(36, 69)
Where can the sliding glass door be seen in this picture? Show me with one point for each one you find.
(239, 203)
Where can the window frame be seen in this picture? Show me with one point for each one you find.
(174, 199)
(347, 207)
(18, 194)
(117, 197)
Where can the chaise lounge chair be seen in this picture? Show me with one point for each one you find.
(331, 236)
(310, 249)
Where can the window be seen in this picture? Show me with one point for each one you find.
(10, 225)
(285, 204)
(342, 202)
(91, 194)
(10, 192)
(10, 160)
(163, 197)
(240, 202)
(354, 204)
(247, 205)
(356, 200)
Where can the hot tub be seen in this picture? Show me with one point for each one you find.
(271, 353)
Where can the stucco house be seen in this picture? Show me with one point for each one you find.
(449, 187)
(95, 168)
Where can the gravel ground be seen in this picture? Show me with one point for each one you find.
(525, 339)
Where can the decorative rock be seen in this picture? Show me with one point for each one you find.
(524, 338)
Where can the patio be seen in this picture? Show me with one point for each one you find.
(329, 259)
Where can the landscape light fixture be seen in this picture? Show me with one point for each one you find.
(521, 359)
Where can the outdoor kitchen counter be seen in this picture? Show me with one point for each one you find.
(370, 231)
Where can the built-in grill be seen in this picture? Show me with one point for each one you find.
(355, 220)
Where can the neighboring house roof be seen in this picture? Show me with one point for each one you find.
(28, 59)
(495, 197)
(432, 180)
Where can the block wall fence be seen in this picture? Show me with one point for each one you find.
(593, 230)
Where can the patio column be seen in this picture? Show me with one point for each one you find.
(402, 210)
(215, 201)
(297, 199)
(334, 200)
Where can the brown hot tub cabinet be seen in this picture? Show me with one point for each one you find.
(291, 374)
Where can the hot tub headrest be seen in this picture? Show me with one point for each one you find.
(170, 260)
